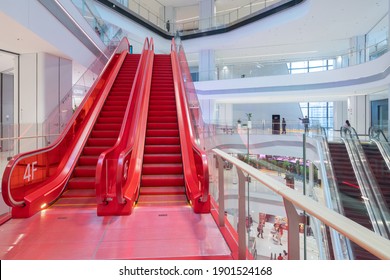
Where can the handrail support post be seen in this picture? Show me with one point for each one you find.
(221, 191)
(242, 179)
(293, 230)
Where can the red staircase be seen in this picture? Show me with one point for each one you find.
(350, 195)
(81, 187)
(162, 181)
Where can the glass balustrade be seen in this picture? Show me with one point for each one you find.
(152, 12)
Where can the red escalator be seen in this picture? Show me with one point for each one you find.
(350, 194)
(65, 173)
(81, 187)
(162, 181)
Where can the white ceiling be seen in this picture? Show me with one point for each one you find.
(314, 27)
(17, 39)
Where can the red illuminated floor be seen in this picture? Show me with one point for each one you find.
(169, 232)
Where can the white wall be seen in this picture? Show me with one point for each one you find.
(44, 80)
(58, 40)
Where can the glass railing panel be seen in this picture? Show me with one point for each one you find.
(265, 220)
(245, 208)
(151, 13)
(60, 116)
(106, 31)
(263, 67)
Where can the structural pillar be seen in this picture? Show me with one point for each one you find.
(207, 12)
(207, 70)
(340, 113)
(45, 81)
(359, 113)
(358, 54)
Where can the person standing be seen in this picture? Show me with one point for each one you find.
(260, 230)
(305, 122)
(283, 126)
(168, 25)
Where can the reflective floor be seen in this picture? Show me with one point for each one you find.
(149, 233)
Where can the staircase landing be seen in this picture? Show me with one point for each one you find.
(174, 232)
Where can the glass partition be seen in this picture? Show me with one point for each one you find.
(250, 143)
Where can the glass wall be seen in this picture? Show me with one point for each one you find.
(310, 66)
(319, 113)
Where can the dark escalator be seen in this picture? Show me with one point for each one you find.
(162, 181)
(350, 195)
(379, 168)
(80, 189)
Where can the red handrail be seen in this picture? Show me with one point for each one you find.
(195, 164)
(33, 180)
(130, 188)
(119, 165)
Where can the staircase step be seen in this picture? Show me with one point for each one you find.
(107, 142)
(168, 190)
(88, 160)
(162, 180)
(166, 113)
(106, 126)
(104, 133)
(162, 200)
(162, 168)
(105, 114)
(162, 141)
(162, 119)
(81, 183)
(85, 171)
(94, 150)
(162, 133)
(162, 126)
(79, 193)
(166, 158)
(162, 149)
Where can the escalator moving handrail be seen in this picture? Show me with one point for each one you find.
(202, 178)
(128, 188)
(125, 141)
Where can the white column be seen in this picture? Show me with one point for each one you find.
(224, 114)
(388, 29)
(359, 113)
(340, 109)
(358, 46)
(208, 109)
(207, 12)
(28, 100)
(44, 82)
(207, 65)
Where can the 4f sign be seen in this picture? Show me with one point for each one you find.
(30, 170)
